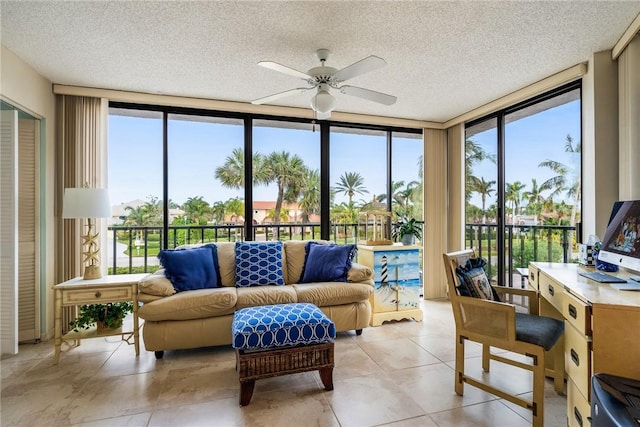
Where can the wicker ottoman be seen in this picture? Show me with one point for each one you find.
(281, 339)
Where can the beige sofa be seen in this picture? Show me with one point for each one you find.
(200, 318)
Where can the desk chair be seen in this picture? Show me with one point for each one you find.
(499, 324)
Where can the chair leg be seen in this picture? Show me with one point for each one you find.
(459, 383)
(486, 356)
(538, 389)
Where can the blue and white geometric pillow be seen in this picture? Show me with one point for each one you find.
(280, 325)
(258, 263)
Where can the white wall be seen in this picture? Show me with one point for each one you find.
(23, 87)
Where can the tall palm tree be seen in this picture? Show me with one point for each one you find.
(231, 173)
(288, 173)
(484, 188)
(473, 154)
(310, 194)
(234, 207)
(513, 194)
(218, 210)
(153, 209)
(535, 199)
(350, 184)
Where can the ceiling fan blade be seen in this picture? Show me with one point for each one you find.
(365, 65)
(368, 94)
(284, 69)
(277, 96)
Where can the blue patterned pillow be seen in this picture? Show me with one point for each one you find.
(280, 325)
(473, 281)
(327, 263)
(258, 263)
(189, 269)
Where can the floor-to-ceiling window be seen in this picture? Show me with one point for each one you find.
(231, 176)
(523, 181)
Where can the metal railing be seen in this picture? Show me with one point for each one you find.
(523, 244)
(134, 248)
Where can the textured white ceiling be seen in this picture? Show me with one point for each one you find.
(444, 58)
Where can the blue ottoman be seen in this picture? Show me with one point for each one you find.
(281, 339)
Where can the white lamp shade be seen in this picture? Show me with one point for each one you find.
(323, 102)
(86, 203)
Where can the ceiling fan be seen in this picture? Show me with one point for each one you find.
(324, 78)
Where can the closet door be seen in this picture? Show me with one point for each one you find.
(28, 295)
(8, 232)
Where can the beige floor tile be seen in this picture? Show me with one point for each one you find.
(423, 421)
(489, 414)
(371, 400)
(443, 346)
(137, 420)
(352, 361)
(399, 353)
(432, 387)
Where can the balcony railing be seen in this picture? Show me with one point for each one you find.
(134, 248)
(524, 243)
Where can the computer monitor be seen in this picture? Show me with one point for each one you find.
(621, 243)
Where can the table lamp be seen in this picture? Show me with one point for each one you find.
(88, 203)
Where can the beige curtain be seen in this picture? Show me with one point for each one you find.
(629, 120)
(80, 159)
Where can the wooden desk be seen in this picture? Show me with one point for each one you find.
(77, 291)
(602, 328)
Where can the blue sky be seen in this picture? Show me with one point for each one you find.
(528, 142)
(196, 149)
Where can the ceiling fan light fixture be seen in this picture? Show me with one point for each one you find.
(323, 102)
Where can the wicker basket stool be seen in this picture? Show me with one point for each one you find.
(281, 339)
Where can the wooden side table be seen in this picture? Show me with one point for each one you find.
(77, 291)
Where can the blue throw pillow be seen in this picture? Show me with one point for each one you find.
(259, 263)
(189, 269)
(327, 263)
(473, 281)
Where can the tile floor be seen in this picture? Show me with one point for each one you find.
(397, 374)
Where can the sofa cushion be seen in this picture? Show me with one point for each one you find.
(327, 263)
(227, 263)
(359, 273)
(156, 284)
(189, 269)
(196, 304)
(258, 264)
(265, 295)
(326, 294)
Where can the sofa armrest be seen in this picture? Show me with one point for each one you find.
(156, 284)
(359, 273)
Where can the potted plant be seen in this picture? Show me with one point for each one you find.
(105, 316)
(407, 230)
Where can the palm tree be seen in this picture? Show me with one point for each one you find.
(513, 195)
(484, 188)
(350, 184)
(234, 207)
(288, 173)
(310, 194)
(218, 210)
(473, 153)
(231, 173)
(153, 210)
(535, 199)
(197, 209)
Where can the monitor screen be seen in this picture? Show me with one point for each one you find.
(621, 243)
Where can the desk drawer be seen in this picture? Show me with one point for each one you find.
(577, 313)
(551, 290)
(577, 355)
(578, 408)
(97, 296)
